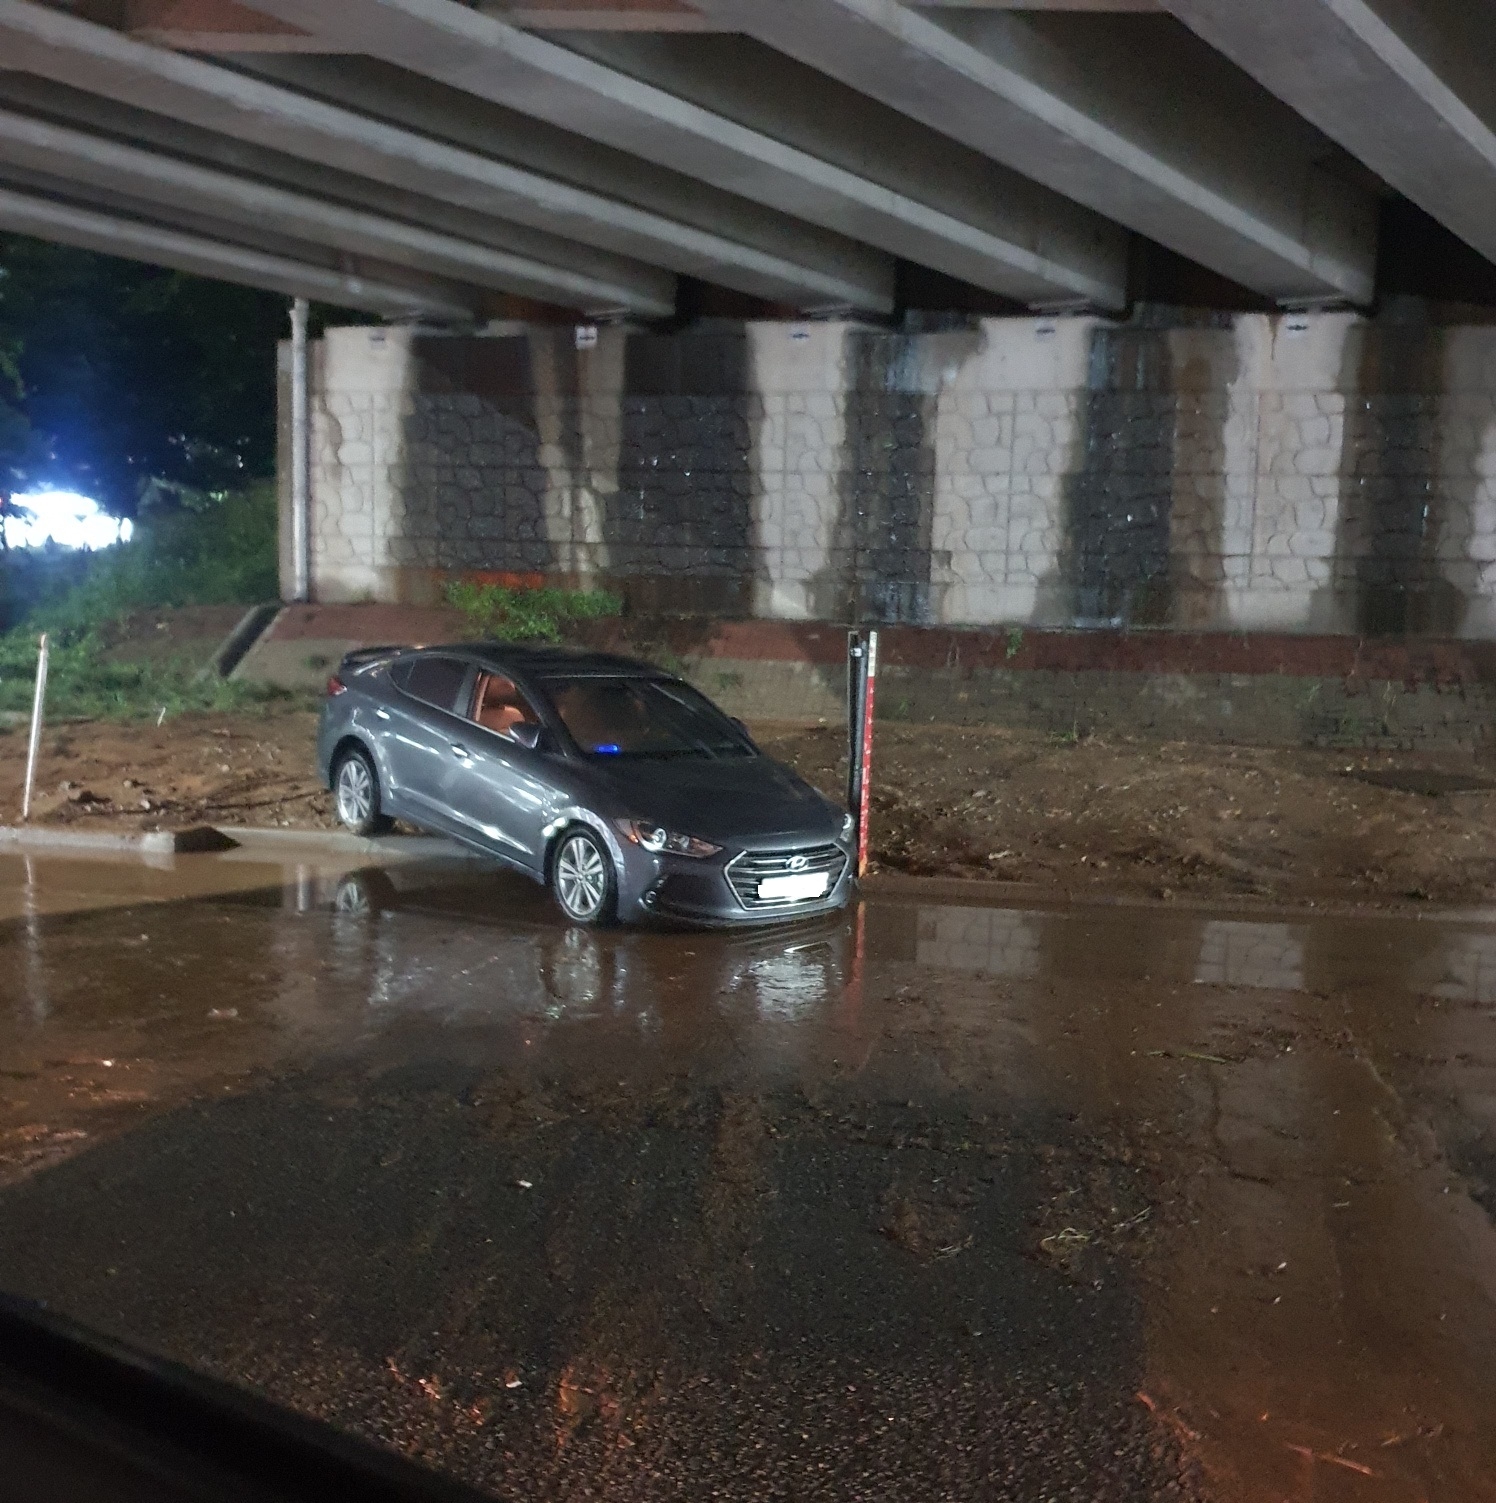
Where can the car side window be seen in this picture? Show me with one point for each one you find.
(498, 705)
(436, 680)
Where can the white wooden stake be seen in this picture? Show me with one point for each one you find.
(34, 745)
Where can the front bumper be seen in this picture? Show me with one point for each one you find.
(704, 892)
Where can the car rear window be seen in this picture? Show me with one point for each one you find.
(640, 717)
(436, 680)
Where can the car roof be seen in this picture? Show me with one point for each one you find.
(540, 662)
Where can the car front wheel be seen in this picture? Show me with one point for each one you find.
(583, 879)
(355, 787)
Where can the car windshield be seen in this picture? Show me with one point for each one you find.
(640, 717)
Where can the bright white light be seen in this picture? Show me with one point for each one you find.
(68, 519)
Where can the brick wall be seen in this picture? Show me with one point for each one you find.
(1321, 474)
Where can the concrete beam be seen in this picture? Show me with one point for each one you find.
(24, 213)
(677, 15)
(1215, 169)
(1118, 7)
(98, 161)
(783, 260)
(1409, 91)
(218, 25)
(224, 26)
(599, 15)
(1019, 239)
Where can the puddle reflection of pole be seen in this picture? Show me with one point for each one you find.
(852, 992)
(36, 976)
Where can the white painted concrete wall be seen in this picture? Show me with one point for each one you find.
(1274, 495)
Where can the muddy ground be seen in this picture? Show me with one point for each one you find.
(1091, 815)
(933, 1202)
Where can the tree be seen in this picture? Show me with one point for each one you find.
(19, 446)
(120, 374)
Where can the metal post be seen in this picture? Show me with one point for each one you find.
(301, 473)
(862, 678)
(34, 745)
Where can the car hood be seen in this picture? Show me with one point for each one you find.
(725, 801)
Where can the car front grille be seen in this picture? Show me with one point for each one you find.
(745, 872)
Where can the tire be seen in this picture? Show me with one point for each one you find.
(355, 791)
(583, 880)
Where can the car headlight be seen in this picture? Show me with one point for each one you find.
(655, 837)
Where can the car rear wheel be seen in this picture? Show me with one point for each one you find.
(355, 787)
(583, 879)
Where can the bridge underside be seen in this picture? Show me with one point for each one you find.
(1052, 312)
(651, 160)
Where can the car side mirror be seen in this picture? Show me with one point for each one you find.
(527, 734)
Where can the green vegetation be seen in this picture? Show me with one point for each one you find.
(82, 682)
(529, 615)
(191, 550)
(201, 551)
(116, 376)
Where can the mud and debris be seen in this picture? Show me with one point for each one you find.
(936, 1200)
(1016, 809)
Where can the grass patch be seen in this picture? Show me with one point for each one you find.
(529, 615)
(82, 682)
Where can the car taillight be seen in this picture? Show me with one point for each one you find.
(335, 685)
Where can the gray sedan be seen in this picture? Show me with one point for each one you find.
(617, 784)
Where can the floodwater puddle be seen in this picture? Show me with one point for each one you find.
(1306, 1106)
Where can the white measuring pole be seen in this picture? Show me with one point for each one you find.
(34, 745)
(862, 684)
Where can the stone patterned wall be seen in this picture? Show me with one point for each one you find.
(1318, 474)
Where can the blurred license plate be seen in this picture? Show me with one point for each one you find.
(800, 885)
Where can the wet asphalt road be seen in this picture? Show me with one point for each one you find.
(929, 1202)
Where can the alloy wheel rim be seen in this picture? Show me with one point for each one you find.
(355, 792)
(581, 877)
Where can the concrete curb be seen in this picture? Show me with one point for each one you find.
(207, 838)
(82, 842)
(340, 843)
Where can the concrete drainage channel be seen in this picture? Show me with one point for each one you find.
(207, 838)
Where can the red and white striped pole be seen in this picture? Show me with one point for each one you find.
(862, 684)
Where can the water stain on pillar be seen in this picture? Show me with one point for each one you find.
(557, 375)
(1393, 502)
(474, 488)
(679, 528)
(881, 558)
(1204, 363)
(1116, 554)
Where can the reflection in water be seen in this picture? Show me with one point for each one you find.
(1466, 969)
(35, 992)
(1314, 1101)
(1270, 956)
(995, 941)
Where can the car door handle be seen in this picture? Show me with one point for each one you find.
(382, 714)
(459, 751)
